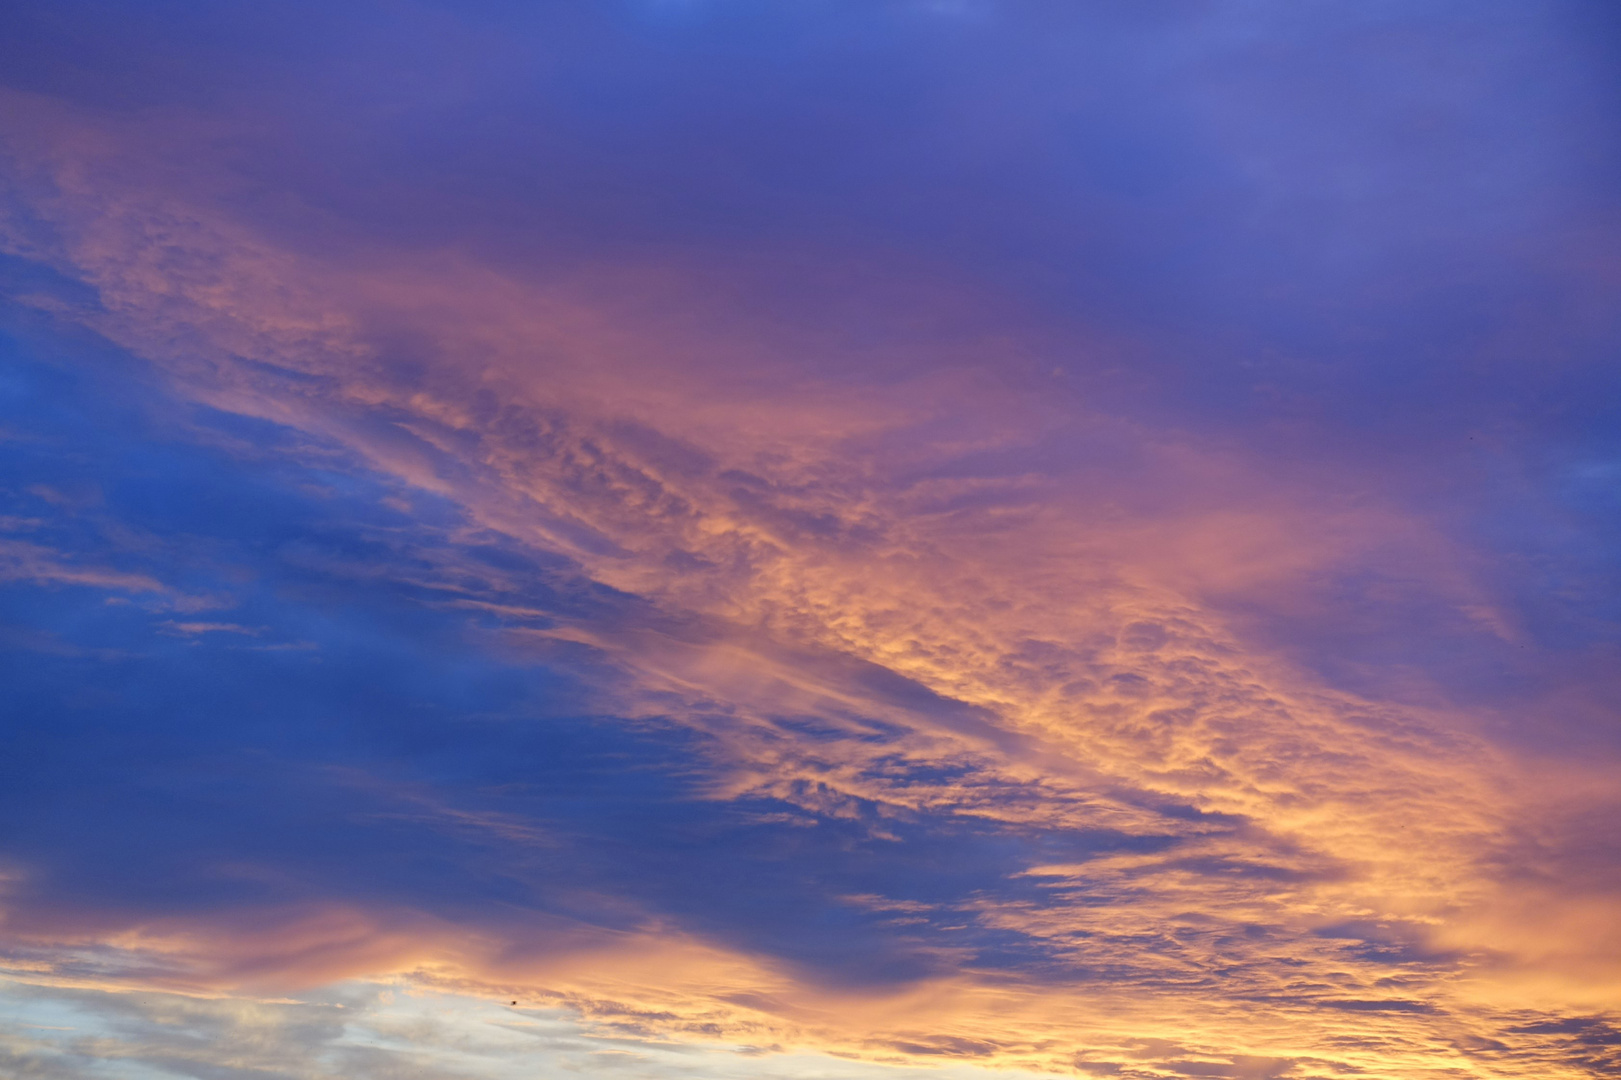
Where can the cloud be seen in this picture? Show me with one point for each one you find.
(771, 645)
(22, 561)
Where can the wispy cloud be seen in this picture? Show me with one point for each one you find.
(22, 561)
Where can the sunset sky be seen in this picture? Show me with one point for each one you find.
(810, 539)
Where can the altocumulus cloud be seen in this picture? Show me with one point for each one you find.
(709, 539)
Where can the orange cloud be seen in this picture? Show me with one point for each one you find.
(888, 553)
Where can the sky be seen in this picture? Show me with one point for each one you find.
(810, 540)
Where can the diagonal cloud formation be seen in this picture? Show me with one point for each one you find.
(953, 661)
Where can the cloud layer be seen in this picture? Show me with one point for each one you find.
(931, 537)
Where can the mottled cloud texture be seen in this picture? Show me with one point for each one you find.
(732, 539)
